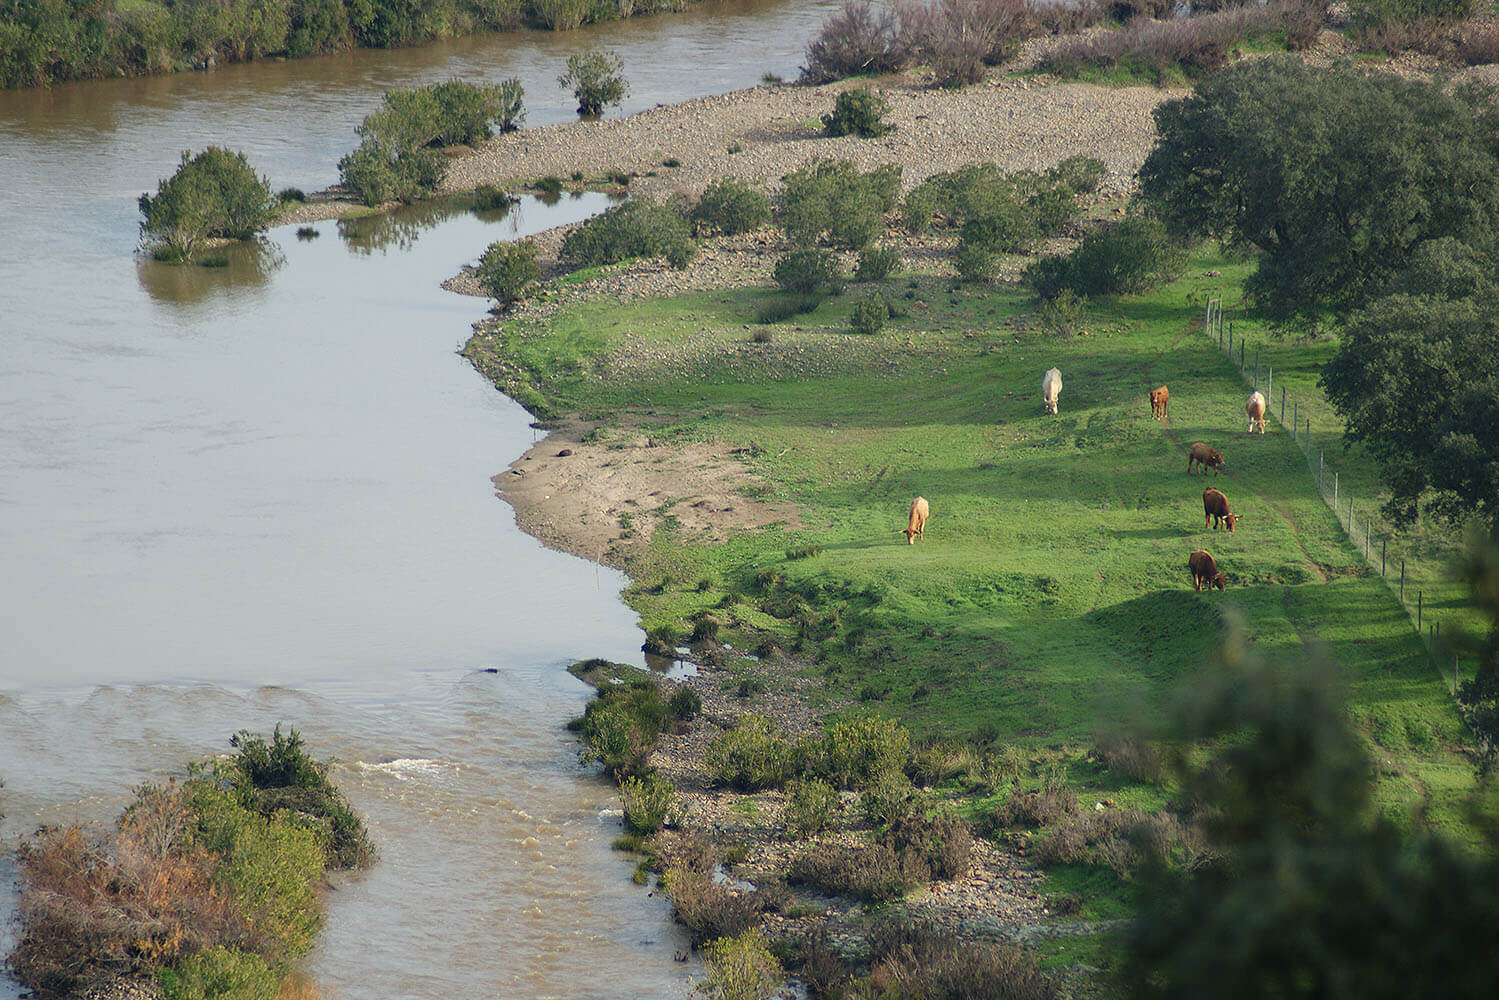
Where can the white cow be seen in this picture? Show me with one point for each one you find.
(1255, 407)
(1051, 388)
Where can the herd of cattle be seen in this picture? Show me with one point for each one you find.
(1215, 509)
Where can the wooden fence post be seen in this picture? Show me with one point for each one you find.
(1418, 610)
(1402, 582)
(1384, 548)
(1283, 411)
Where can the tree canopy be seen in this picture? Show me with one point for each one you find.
(214, 194)
(1336, 176)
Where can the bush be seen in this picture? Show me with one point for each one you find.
(889, 799)
(916, 960)
(1034, 808)
(873, 873)
(1079, 174)
(708, 909)
(620, 727)
(507, 269)
(831, 201)
(488, 198)
(808, 272)
(684, 704)
(853, 753)
(869, 315)
(650, 802)
(595, 79)
(730, 206)
(978, 192)
(1062, 314)
(959, 38)
(1129, 256)
(635, 228)
(213, 194)
(751, 756)
(859, 112)
(811, 804)
(876, 263)
(1365, 13)
(943, 842)
(780, 308)
(858, 38)
(220, 974)
(741, 968)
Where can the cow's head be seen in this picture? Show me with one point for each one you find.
(1218, 581)
(1230, 519)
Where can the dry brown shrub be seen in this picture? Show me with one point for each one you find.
(708, 909)
(1132, 756)
(873, 873)
(1039, 808)
(1069, 16)
(1476, 42)
(943, 842)
(920, 962)
(858, 38)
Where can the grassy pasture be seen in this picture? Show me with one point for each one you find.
(1050, 597)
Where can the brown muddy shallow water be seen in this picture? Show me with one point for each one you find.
(261, 493)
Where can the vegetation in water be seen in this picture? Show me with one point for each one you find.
(596, 80)
(215, 194)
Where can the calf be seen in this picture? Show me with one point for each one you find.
(1201, 454)
(919, 512)
(1051, 388)
(1215, 510)
(1204, 571)
(1160, 399)
(1255, 407)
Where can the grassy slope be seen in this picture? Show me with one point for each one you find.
(1050, 597)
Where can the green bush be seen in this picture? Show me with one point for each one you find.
(811, 804)
(975, 262)
(507, 269)
(213, 194)
(635, 228)
(595, 79)
(620, 727)
(873, 873)
(779, 308)
(859, 112)
(869, 314)
(1130, 256)
(1365, 13)
(730, 206)
(684, 704)
(853, 753)
(943, 842)
(220, 973)
(1079, 174)
(741, 968)
(650, 802)
(488, 198)
(876, 263)
(808, 271)
(750, 757)
(832, 202)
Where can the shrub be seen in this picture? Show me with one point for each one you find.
(596, 81)
(859, 111)
(1131, 756)
(620, 727)
(751, 756)
(943, 842)
(708, 909)
(635, 228)
(1035, 808)
(889, 799)
(869, 315)
(876, 263)
(1129, 256)
(1365, 13)
(465, 112)
(1062, 314)
(550, 184)
(853, 753)
(650, 802)
(291, 194)
(730, 206)
(1079, 174)
(488, 198)
(808, 272)
(220, 974)
(684, 704)
(976, 191)
(811, 804)
(741, 968)
(507, 269)
(780, 308)
(307, 233)
(858, 38)
(832, 201)
(213, 194)
(873, 873)
(919, 960)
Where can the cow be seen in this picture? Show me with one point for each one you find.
(1051, 388)
(919, 512)
(1215, 510)
(1204, 571)
(1159, 400)
(1202, 455)
(1255, 407)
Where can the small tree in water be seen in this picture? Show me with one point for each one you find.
(596, 81)
(214, 194)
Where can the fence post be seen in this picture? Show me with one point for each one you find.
(1241, 354)
(1402, 582)
(1418, 610)
(1295, 416)
(1454, 676)
(1309, 431)
(1283, 411)
(1384, 548)
(1319, 472)
(1335, 493)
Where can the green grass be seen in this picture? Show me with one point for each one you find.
(1050, 596)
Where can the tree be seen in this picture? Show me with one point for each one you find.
(1335, 175)
(216, 194)
(507, 269)
(1479, 698)
(595, 80)
(1416, 379)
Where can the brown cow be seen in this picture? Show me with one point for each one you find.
(1160, 399)
(1255, 407)
(1202, 455)
(1204, 571)
(1215, 510)
(919, 512)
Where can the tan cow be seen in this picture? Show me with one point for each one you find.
(919, 512)
(1255, 407)
(1051, 388)
(1215, 510)
(1160, 399)
(1204, 571)
(1201, 454)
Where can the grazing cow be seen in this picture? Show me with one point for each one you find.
(1159, 400)
(919, 512)
(1204, 571)
(1215, 510)
(1202, 455)
(1255, 407)
(1051, 388)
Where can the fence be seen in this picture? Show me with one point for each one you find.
(1344, 506)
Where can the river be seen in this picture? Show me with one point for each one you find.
(258, 494)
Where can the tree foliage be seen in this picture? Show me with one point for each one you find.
(507, 269)
(213, 194)
(596, 79)
(1335, 175)
(831, 201)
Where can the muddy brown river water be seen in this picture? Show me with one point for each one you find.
(232, 497)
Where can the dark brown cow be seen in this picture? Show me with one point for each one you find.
(1215, 510)
(1204, 571)
(919, 512)
(1201, 454)
(1160, 399)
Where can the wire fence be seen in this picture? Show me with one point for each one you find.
(1354, 514)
